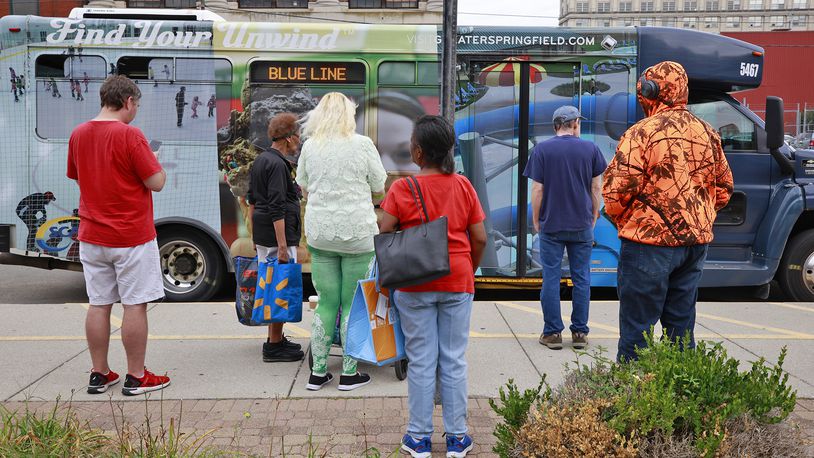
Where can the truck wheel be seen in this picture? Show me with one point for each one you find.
(191, 264)
(796, 270)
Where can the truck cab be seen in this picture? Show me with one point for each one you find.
(765, 233)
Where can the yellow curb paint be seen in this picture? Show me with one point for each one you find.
(296, 331)
(784, 332)
(793, 307)
(540, 313)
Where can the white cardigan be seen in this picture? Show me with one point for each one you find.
(339, 176)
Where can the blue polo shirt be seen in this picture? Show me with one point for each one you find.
(565, 165)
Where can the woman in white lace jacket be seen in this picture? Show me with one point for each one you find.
(342, 174)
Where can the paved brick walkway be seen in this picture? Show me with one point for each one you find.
(267, 427)
(275, 428)
(804, 416)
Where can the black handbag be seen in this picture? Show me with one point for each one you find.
(416, 255)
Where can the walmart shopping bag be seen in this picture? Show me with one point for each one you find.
(374, 331)
(278, 298)
(246, 276)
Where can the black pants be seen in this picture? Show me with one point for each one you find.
(180, 115)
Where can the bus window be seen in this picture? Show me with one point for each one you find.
(52, 66)
(397, 103)
(205, 70)
(397, 73)
(146, 68)
(736, 130)
(296, 87)
(69, 66)
(67, 91)
(429, 73)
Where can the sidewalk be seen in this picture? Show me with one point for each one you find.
(220, 382)
(266, 427)
(336, 427)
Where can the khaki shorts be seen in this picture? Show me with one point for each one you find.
(130, 275)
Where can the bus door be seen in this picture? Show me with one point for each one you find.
(744, 144)
(503, 108)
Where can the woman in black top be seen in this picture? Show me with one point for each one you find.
(274, 200)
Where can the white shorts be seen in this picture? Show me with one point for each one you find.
(264, 252)
(130, 275)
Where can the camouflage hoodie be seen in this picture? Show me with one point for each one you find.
(669, 176)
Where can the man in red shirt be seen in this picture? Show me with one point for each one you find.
(117, 172)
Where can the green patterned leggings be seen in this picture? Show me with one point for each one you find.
(335, 276)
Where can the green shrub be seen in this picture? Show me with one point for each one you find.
(668, 397)
(514, 409)
(698, 391)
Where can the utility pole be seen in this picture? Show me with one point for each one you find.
(448, 60)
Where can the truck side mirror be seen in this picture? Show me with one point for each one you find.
(774, 133)
(774, 122)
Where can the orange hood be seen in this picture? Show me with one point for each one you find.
(673, 87)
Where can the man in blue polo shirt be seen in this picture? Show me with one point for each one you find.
(566, 195)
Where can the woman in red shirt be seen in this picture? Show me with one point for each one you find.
(435, 315)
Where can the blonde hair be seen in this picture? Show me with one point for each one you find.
(334, 116)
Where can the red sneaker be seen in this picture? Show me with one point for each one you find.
(148, 382)
(99, 383)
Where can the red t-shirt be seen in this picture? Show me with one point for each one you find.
(111, 160)
(445, 195)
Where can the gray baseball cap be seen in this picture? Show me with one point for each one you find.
(566, 113)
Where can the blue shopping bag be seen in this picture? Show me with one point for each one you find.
(246, 277)
(374, 329)
(278, 297)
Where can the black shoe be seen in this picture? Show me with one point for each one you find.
(351, 382)
(315, 383)
(99, 383)
(267, 346)
(279, 353)
(291, 344)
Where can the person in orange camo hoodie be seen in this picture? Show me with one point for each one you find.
(662, 191)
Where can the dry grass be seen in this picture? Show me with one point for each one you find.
(578, 430)
(748, 438)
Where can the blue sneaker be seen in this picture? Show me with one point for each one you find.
(417, 448)
(458, 447)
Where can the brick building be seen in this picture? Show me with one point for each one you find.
(55, 8)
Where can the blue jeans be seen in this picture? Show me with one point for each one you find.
(657, 283)
(578, 244)
(436, 334)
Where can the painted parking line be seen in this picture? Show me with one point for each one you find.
(537, 311)
(292, 329)
(782, 332)
(778, 332)
(611, 333)
(792, 306)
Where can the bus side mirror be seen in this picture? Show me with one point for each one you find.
(774, 133)
(774, 122)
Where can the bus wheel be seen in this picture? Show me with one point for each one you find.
(796, 270)
(191, 264)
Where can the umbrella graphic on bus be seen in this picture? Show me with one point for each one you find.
(507, 73)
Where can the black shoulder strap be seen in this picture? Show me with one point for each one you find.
(418, 197)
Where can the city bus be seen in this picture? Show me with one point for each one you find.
(232, 77)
